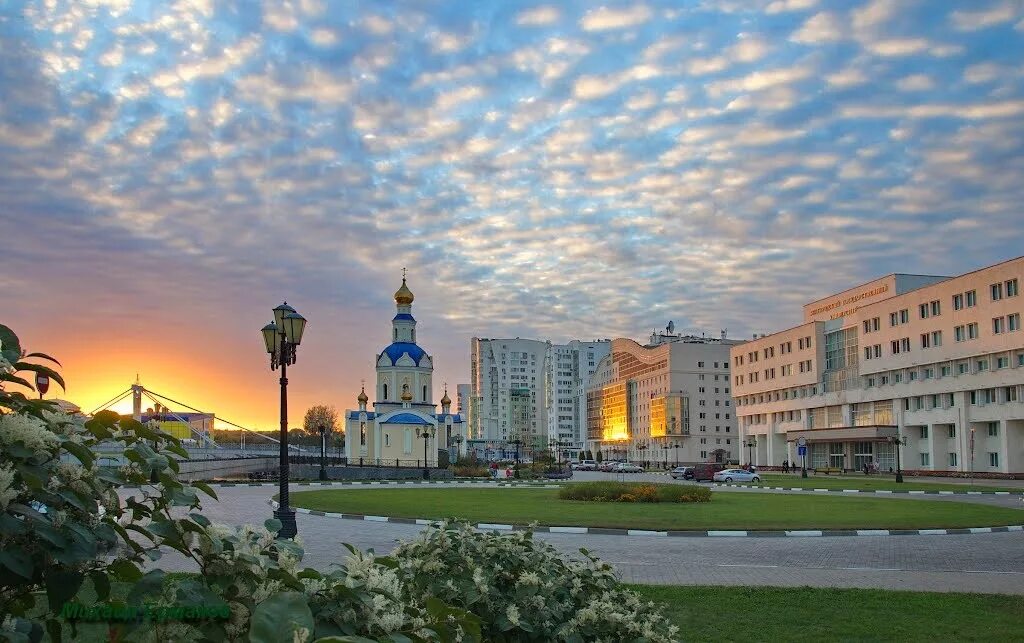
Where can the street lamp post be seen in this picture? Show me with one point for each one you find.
(281, 338)
(897, 442)
(751, 443)
(426, 441)
(642, 448)
(323, 452)
(457, 439)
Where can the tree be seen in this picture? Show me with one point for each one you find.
(599, 457)
(320, 415)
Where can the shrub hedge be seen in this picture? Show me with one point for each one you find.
(607, 491)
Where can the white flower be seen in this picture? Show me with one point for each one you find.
(529, 578)
(28, 430)
(512, 614)
(7, 492)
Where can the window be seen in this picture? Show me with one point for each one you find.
(923, 311)
(972, 298)
(936, 338)
(960, 333)
(905, 344)
(1002, 362)
(929, 373)
(982, 365)
(958, 302)
(1011, 288)
(993, 459)
(999, 325)
(893, 319)
(924, 433)
(997, 291)
(993, 429)
(1011, 393)
(387, 439)
(952, 459)
(972, 331)
(961, 368)
(1013, 322)
(904, 315)
(926, 459)
(936, 308)
(946, 371)
(952, 432)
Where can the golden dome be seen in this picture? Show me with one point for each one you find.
(363, 399)
(403, 296)
(406, 396)
(446, 400)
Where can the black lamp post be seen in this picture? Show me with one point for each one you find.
(897, 442)
(642, 448)
(517, 442)
(457, 439)
(675, 452)
(323, 452)
(751, 443)
(282, 337)
(426, 442)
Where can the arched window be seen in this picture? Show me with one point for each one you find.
(413, 335)
(424, 393)
(396, 334)
(362, 434)
(385, 391)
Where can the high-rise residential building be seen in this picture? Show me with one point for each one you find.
(529, 391)
(935, 364)
(668, 401)
(462, 395)
(568, 368)
(507, 399)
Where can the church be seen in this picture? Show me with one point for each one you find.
(404, 422)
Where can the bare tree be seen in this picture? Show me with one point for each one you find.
(320, 415)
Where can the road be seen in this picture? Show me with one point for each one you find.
(974, 563)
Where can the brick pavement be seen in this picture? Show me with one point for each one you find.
(977, 562)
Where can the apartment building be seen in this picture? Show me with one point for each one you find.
(568, 370)
(668, 401)
(933, 366)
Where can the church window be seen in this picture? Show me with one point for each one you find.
(424, 393)
(396, 334)
(362, 434)
(385, 391)
(413, 335)
(387, 439)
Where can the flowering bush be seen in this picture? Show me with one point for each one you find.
(607, 491)
(525, 590)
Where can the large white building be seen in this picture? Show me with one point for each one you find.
(668, 401)
(936, 363)
(404, 427)
(567, 373)
(527, 391)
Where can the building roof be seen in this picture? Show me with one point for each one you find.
(404, 317)
(396, 350)
(354, 415)
(456, 418)
(405, 418)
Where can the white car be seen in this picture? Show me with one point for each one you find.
(585, 465)
(627, 467)
(736, 475)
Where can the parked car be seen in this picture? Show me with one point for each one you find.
(608, 465)
(585, 465)
(736, 475)
(682, 473)
(628, 467)
(707, 472)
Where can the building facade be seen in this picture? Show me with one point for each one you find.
(404, 425)
(568, 369)
(933, 366)
(507, 398)
(665, 402)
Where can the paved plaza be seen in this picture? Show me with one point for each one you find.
(973, 563)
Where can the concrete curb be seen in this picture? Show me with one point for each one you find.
(714, 533)
(913, 492)
(331, 483)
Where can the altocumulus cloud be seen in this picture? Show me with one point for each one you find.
(550, 169)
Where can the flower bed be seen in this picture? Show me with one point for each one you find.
(606, 491)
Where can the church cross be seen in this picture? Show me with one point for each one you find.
(403, 274)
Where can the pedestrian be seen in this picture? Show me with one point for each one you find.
(785, 466)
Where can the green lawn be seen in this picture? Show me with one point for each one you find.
(810, 614)
(870, 483)
(725, 511)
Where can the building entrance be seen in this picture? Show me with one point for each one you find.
(862, 454)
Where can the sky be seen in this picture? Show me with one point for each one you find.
(171, 171)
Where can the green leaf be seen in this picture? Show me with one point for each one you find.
(150, 584)
(273, 525)
(42, 370)
(200, 519)
(17, 561)
(125, 570)
(83, 454)
(100, 583)
(44, 356)
(205, 488)
(9, 344)
(61, 586)
(9, 377)
(279, 617)
(53, 628)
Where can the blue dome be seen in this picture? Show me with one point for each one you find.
(405, 418)
(395, 351)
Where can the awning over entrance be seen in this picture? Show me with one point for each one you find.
(845, 434)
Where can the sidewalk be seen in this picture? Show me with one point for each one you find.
(980, 482)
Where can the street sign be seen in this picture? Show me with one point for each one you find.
(801, 451)
(801, 442)
(42, 384)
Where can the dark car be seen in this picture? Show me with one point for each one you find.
(707, 472)
(682, 473)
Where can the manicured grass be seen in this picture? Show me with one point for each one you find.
(811, 614)
(725, 511)
(870, 483)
